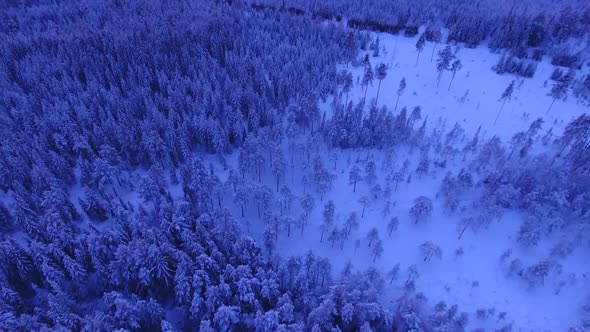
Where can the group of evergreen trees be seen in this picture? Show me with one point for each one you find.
(109, 98)
(110, 219)
(506, 24)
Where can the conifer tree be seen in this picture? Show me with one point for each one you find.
(445, 57)
(380, 74)
(420, 46)
(455, 67)
(506, 95)
(400, 91)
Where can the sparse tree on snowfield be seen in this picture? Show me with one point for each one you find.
(377, 249)
(307, 204)
(328, 217)
(400, 91)
(560, 87)
(242, 195)
(398, 177)
(506, 95)
(334, 158)
(278, 166)
(422, 209)
(423, 166)
(351, 223)
(436, 37)
(354, 176)
(370, 171)
(393, 273)
(468, 222)
(412, 273)
(343, 236)
(301, 222)
(334, 235)
(368, 78)
(414, 116)
(347, 85)
(420, 46)
(518, 141)
(430, 250)
(269, 238)
(288, 221)
(263, 196)
(455, 67)
(536, 274)
(380, 74)
(392, 225)
(364, 200)
(376, 192)
(372, 236)
(445, 57)
(286, 198)
(324, 182)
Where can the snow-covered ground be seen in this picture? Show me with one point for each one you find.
(476, 279)
(476, 81)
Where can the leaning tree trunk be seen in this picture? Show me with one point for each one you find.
(464, 229)
(378, 88)
(500, 111)
(433, 49)
(452, 78)
(554, 99)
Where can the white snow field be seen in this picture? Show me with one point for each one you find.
(475, 280)
(480, 85)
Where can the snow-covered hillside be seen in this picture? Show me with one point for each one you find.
(471, 272)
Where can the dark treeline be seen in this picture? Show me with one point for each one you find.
(507, 24)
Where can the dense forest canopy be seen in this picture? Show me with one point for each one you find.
(119, 121)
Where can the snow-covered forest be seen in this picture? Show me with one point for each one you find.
(294, 165)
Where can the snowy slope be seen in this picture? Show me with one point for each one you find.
(476, 279)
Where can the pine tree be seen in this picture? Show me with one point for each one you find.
(377, 249)
(445, 57)
(351, 223)
(354, 177)
(430, 250)
(372, 236)
(347, 86)
(380, 74)
(392, 225)
(400, 91)
(368, 78)
(420, 46)
(364, 200)
(506, 95)
(393, 273)
(455, 67)
(560, 88)
(422, 209)
(327, 218)
(436, 37)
